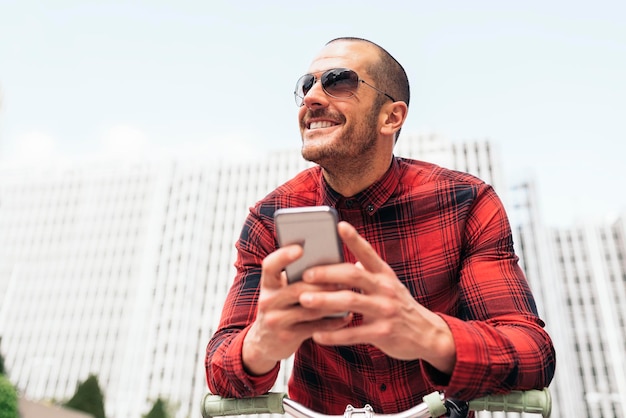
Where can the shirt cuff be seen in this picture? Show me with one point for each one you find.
(255, 385)
(470, 367)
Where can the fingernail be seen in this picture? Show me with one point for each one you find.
(306, 298)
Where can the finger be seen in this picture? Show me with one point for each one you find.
(343, 336)
(284, 301)
(319, 319)
(274, 264)
(344, 276)
(333, 277)
(361, 249)
(346, 300)
(303, 321)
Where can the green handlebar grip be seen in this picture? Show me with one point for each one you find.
(531, 401)
(216, 406)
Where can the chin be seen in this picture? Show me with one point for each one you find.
(310, 154)
(313, 153)
(317, 146)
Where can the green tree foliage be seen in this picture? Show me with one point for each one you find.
(88, 398)
(8, 399)
(159, 410)
(2, 369)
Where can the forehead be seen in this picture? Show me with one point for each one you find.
(349, 54)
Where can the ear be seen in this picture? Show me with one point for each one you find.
(393, 116)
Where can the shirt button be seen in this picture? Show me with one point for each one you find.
(349, 203)
(383, 387)
(370, 208)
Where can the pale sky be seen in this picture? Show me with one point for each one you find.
(543, 80)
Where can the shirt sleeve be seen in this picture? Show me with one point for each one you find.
(501, 344)
(225, 373)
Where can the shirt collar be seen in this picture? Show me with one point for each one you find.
(370, 199)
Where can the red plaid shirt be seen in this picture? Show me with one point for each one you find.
(447, 237)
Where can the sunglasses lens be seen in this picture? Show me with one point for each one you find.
(340, 82)
(303, 86)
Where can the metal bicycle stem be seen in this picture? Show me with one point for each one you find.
(423, 410)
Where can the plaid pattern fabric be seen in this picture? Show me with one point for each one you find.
(447, 237)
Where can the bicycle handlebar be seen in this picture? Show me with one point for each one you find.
(216, 406)
(531, 401)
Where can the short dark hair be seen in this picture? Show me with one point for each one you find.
(387, 73)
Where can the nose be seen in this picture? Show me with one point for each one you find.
(315, 97)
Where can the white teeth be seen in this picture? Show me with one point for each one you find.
(320, 124)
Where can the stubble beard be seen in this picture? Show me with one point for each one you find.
(349, 149)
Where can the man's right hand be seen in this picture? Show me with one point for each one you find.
(281, 324)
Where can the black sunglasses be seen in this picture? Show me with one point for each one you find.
(340, 83)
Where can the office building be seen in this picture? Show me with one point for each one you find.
(591, 260)
(121, 269)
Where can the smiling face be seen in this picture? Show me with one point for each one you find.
(339, 132)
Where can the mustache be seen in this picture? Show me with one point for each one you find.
(321, 113)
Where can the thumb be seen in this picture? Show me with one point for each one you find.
(272, 275)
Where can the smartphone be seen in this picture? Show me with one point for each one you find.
(313, 227)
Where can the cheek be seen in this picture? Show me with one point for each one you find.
(301, 113)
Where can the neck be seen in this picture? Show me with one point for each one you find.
(352, 179)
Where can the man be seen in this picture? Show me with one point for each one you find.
(435, 294)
